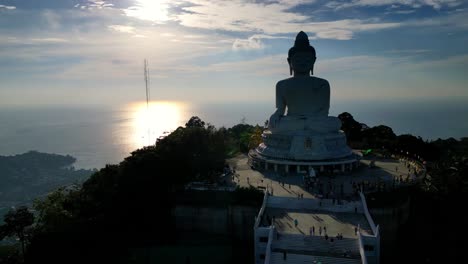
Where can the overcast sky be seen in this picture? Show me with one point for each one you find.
(91, 52)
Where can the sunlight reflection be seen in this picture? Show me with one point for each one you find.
(152, 10)
(159, 119)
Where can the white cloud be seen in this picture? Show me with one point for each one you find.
(339, 34)
(253, 42)
(7, 7)
(167, 34)
(272, 18)
(247, 44)
(123, 29)
(49, 40)
(32, 41)
(98, 4)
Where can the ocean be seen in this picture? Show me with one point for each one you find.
(97, 136)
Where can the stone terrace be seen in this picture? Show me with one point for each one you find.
(343, 223)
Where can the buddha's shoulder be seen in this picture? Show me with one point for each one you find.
(284, 82)
(311, 79)
(320, 81)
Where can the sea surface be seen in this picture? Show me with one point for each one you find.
(97, 136)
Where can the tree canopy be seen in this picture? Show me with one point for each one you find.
(131, 201)
(16, 222)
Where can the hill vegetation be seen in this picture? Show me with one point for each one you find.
(34, 174)
(434, 232)
(129, 205)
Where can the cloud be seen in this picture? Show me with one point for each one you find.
(32, 41)
(338, 34)
(49, 40)
(270, 18)
(7, 7)
(402, 12)
(458, 20)
(123, 29)
(95, 4)
(436, 4)
(408, 51)
(253, 42)
(247, 44)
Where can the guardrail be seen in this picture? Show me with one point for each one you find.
(367, 214)
(262, 209)
(361, 249)
(268, 247)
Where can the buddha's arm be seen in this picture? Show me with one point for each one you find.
(280, 102)
(280, 107)
(326, 107)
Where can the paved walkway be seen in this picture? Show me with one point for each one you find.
(330, 223)
(385, 171)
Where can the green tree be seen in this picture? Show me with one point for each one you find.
(195, 121)
(351, 127)
(256, 137)
(16, 221)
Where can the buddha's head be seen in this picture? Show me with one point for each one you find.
(301, 57)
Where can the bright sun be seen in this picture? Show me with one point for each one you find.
(153, 10)
(154, 121)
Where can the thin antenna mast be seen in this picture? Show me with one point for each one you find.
(147, 83)
(147, 80)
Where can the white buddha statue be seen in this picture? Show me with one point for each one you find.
(300, 128)
(306, 98)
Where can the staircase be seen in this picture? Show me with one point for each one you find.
(317, 246)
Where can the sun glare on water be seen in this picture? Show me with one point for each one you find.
(154, 121)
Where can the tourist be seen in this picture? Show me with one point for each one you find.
(313, 230)
(320, 231)
(325, 230)
(296, 222)
(355, 230)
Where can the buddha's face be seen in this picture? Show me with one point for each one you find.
(302, 62)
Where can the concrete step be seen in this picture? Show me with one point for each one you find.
(278, 258)
(316, 245)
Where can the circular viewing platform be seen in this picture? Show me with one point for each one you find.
(333, 166)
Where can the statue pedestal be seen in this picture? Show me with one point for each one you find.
(302, 151)
(304, 145)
